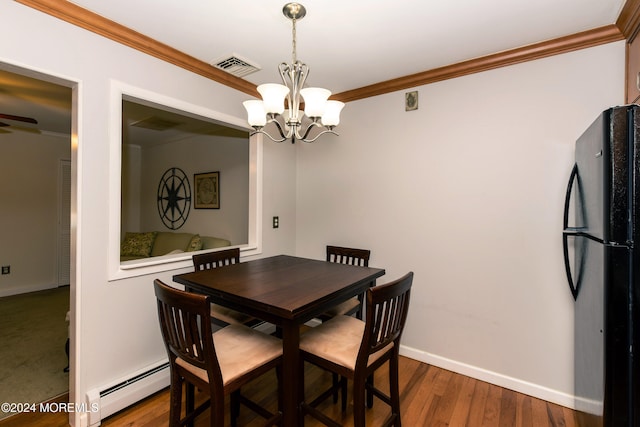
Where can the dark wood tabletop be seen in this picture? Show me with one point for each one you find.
(286, 291)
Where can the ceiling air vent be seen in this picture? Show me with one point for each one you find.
(155, 123)
(236, 65)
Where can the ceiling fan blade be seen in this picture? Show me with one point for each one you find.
(26, 129)
(19, 118)
(4, 124)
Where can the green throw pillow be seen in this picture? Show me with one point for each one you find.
(137, 244)
(195, 244)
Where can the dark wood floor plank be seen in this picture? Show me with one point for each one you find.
(569, 417)
(524, 414)
(448, 401)
(411, 376)
(428, 418)
(539, 413)
(508, 408)
(415, 403)
(492, 407)
(478, 404)
(441, 382)
(462, 408)
(556, 415)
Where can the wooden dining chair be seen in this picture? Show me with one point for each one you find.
(352, 306)
(223, 316)
(216, 363)
(220, 258)
(349, 256)
(355, 349)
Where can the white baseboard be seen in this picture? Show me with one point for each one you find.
(515, 384)
(124, 392)
(25, 289)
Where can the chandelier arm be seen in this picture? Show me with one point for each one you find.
(301, 72)
(265, 133)
(295, 133)
(281, 130)
(304, 138)
(273, 119)
(308, 130)
(285, 70)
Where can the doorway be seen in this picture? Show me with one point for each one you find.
(35, 131)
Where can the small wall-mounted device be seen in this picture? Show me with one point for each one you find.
(276, 222)
(411, 101)
(6, 269)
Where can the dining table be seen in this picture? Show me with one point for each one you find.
(286, 291)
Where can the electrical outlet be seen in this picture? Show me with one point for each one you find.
(276, 222)
(6, 269)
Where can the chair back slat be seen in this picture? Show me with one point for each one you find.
(349, 256)
(186, 328)
(216, 259)
(386, 314)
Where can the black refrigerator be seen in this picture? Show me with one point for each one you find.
(603, 268)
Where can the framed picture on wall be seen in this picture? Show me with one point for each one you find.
(207, 190)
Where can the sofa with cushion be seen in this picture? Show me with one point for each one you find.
(158, 243)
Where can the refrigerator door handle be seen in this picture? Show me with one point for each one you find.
(577, 231)
(569, 231)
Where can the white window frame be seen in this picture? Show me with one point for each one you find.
(154, 265)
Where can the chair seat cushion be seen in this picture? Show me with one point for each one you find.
(338, 340)
(227, 315)
(240, 349)
(343, 308)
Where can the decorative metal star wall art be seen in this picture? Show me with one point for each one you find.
(174, 198)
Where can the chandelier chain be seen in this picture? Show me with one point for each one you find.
(293, 32)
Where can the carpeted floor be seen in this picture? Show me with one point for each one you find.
(33, 332)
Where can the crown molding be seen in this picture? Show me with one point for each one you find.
(95, 23)
(556, 46)
(628, 22)
(629, 19)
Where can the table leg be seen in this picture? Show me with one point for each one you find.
(291, 376)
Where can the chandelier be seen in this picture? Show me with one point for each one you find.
(319, 112)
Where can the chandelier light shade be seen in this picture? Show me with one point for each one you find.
(255, 113)
(331, 116)
(281, 103)
(273, 96)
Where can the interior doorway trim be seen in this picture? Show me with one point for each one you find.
(75, 286)
(64, 223)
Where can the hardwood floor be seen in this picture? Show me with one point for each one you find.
(430, 396)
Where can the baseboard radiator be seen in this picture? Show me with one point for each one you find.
(125, 392)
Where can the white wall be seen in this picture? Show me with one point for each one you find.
(29, 166)
(467, 192)
(114, 324)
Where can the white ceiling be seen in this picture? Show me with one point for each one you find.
(350, 44)
(347, 44)
(49, 104)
